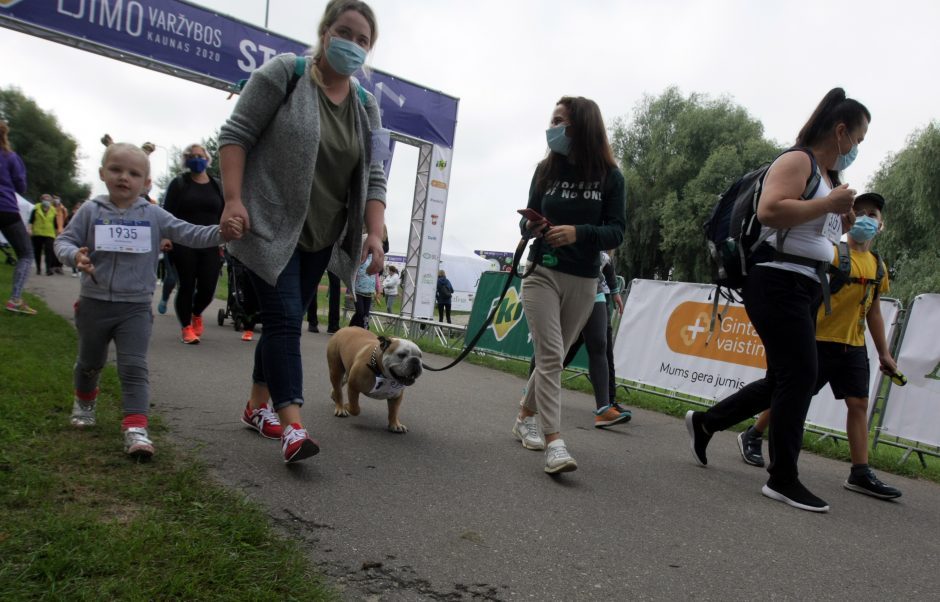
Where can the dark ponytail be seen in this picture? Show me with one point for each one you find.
(834, 109)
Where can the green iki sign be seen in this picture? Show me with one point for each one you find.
(508, 334)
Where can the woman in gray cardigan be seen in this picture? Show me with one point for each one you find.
(297, 170)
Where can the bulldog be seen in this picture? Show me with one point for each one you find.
(377, 367)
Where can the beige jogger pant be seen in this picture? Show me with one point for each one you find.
(557, 306)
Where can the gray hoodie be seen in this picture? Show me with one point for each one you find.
(126, 277)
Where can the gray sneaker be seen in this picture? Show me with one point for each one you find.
(83, 414)
(527, 431)
(557, 458)
(137, 443)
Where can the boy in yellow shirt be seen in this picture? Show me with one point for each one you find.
(843, 357)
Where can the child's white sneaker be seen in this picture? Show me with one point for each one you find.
(83, 414)
(137, 443)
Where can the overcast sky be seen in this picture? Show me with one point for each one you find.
(509, 61)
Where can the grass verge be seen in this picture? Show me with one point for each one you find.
(81, 521)
(883, 458)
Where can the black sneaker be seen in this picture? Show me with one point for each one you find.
(749, 445)
(869, 484)
(698, 438)
(313, 328)
(796, 495)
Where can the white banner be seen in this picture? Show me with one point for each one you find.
(828, 412)
(432, 232)
(662, 335)
(913, 411)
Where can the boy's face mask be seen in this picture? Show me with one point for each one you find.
(864, 229)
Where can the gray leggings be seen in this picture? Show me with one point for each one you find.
(14, 230)
(129, 325)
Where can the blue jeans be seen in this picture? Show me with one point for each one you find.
(277, 356)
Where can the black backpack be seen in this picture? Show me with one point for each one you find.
(733, 233)
(839, 276)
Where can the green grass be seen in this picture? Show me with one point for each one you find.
(82, 521)
(883, 458)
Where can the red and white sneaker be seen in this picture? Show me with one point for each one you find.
(198, 326)
(297, 444)
(137, 443)
(263, 420)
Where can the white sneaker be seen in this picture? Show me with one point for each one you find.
(557, 458)
(137, 443)
(83, 413)
(527, 431)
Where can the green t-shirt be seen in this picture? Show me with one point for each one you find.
(337, 159)
(597, 209)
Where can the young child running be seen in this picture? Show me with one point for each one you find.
(114, 240)
(843, 357)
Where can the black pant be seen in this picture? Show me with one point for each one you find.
(443, 308)
(44, 244)
(363, 307)
(198, 274)
(782, 306)
(332, 323)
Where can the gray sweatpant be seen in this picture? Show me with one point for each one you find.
(557, 306)
(129, 325)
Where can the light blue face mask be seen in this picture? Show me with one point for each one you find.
(558, 141)
(345, 57)
(864, 229)
(843, 161)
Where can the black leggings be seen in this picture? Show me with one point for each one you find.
(782, 306)
(363, 307)
(198, 272)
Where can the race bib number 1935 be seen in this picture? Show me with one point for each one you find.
(122, 236)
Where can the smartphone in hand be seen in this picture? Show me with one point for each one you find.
(533, 216)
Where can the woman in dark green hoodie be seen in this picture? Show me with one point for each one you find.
(579, 192)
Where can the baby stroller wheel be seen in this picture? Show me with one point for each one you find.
(238, 324)
(221, 317)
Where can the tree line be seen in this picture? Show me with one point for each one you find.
(677, 152)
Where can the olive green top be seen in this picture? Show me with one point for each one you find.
(337, 159)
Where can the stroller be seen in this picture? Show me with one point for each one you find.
(242, 302)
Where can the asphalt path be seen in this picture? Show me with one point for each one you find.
(456, 509)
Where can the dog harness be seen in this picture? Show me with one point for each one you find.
(384, 387)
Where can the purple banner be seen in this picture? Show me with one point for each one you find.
(215, 46)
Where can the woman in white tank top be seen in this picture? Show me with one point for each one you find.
(782, 295)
